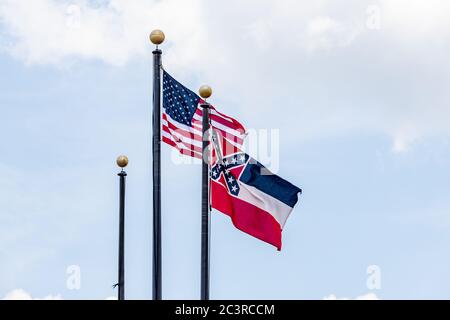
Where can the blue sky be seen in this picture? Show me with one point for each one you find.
(358, 92)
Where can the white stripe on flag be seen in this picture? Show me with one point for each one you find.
(179, 144)
(218, 125)
(182, 125)
(277, 209)
(181, 137)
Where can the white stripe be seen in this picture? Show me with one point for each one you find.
(229, 136)
(199, 130)
(227, 129)
(216, 113)
(180, 145)
(165, 123)
(185, 139)
(179, 135)
(197, 127)
(198, 143)
(182, 125)
(277, 209)
(221, 126)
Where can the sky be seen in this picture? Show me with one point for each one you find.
(357, 92)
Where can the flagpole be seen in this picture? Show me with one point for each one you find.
(157, 37)
(122, 162)
(205, 92)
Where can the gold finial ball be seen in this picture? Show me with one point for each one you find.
(122, 161)
(157, 37)
(205, 92)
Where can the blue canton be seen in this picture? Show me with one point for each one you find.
(179, 102)
(228, 163)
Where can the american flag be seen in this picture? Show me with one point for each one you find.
(182, 120)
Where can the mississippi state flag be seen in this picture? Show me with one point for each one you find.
(257, 201)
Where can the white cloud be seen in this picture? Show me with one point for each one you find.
(404, 139)
(52, 32)
(20, 294)
(367, 296)
(416, 19)
(323, 32)
(329, 67)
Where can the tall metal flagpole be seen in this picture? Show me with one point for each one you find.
(157, 37)
(205, 92)
(122, 161)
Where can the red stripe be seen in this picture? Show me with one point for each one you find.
(230, 136)
(239, 126)
(182, 145)
(192, 136)
(173, 122)
(225, 120)
(169, 119)
(198, 123)
(182, 150)
(187, 145)
(246, 217)
(225, 123)
(195, 121)
(227, 135)
(184, 133)
(228, 148)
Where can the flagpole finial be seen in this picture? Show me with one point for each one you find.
(205, 91)
(122, 161)
(157, 37)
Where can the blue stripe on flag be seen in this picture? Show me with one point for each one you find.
(258, 176)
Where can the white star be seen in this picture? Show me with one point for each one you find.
(242, 158)
(234, 188)
(234, 161)
(230, 179)
(225, 162)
